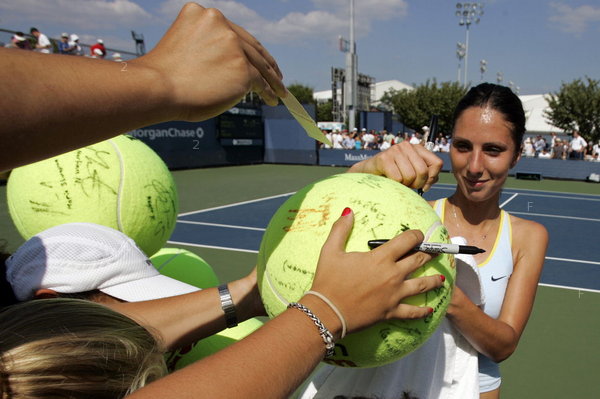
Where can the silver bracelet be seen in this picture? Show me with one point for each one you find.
(333, 307)
(228, 306)
(323, 331)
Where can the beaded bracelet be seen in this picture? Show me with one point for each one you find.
(323, 331)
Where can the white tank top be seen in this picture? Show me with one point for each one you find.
(495, 272)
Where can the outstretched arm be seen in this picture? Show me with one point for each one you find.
(202, 66)
(275, 359)
(184, 319)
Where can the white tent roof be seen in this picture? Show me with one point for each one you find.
(378, 88)
(535, 106)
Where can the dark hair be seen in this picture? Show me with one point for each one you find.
(499, 98)
(33, 29)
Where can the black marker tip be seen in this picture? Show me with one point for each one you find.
(471, 250)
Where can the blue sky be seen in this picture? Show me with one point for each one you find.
(537, 44)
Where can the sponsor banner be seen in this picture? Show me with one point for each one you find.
(335, 157)
(184, 144)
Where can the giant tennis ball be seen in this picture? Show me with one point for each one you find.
(212, 344)
(382, 208)
(185, 266)
(120, 183)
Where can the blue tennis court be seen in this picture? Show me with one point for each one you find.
(572, 220)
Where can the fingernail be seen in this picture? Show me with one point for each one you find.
(346, 211)
(442, 277)
(430, 310)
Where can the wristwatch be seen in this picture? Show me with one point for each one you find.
(228, 306)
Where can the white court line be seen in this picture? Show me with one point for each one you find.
(590, 262)
(227, 226)
(234, 204)
(540, 284)
(526, 191)
(255, 252)
(554, 216)
(566, 287)
(212, 247)
(562, 197)
(508, 200)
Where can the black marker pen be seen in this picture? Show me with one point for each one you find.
(436, 248)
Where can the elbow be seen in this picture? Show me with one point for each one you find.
(500, 357)
(502, 353)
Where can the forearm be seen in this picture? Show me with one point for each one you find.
(184, 319)
(491, 337)
(78, 101)
(269, 363)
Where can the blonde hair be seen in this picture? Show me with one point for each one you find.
(71, 348)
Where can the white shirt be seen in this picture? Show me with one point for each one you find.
(414, 139)
(444, 367)
(43, 40)
(578, 143)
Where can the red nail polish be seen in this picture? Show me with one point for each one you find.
(442, 277)
(346, 211)
(430, 310)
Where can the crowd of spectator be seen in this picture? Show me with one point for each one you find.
(364, 139)
(561, 148)
(534, 147)
(67, 45)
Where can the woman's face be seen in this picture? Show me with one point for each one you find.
(482, 152)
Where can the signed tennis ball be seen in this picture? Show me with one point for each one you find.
(120, 183)
(382, 208)
(185, 266)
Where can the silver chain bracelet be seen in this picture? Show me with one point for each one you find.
(323, 331)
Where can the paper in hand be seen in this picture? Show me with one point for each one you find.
(298, 112)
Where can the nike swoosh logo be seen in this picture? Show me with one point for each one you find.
(496, 279)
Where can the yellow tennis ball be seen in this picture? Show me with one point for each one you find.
(120, 183)
(382, 208)
(185, 266)
(214, 343)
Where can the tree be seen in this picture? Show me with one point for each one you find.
(415, 107)
(576, 106)
(304, 94)
(324, 111)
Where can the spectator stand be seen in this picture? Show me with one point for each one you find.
(6, 34)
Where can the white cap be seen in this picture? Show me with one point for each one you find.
(79, 257)
(74, 37)
(363, 130)
(100, 41)
(65, 34)
(426, 128)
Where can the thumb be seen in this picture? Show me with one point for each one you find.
(336, 241)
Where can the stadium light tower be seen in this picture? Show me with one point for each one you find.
(482, 68)
(468, 13)
(460, 54)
